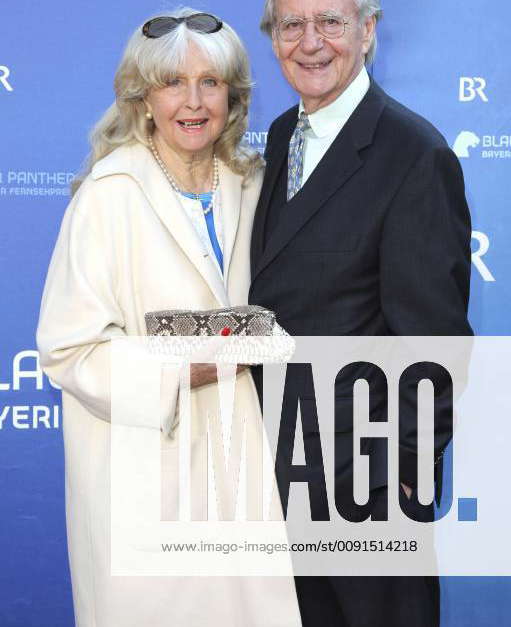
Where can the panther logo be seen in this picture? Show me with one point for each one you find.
(464, 141)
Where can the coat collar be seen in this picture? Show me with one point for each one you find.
(338, 165)
(136, 161)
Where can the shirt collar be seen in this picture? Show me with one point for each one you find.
(333, 117)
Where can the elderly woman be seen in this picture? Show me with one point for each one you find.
(161, 220)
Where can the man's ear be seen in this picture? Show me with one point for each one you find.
(368, 30)
(275, 43)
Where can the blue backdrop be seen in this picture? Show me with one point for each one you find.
(446, 60)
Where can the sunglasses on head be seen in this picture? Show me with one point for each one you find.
(199, 22)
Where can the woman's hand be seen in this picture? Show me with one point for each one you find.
(204, 374)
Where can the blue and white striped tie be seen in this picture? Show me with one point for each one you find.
(295, 158)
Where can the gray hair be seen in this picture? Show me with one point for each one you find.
(366, 8)
(150, 64)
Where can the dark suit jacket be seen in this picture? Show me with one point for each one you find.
(377, 242)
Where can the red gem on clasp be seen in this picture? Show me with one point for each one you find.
(225, 331)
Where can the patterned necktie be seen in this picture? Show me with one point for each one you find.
(295, 158)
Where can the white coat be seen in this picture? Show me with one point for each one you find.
(126, 247)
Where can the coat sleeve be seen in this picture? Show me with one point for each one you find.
(425, 263)
(425, 251)
(80, 312)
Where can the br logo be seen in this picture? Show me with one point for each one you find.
(4, 75)
(470, 88)
(464, 141)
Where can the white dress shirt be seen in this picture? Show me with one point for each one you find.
(326, 123)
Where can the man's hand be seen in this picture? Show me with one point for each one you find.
(407, 490)
(204, 374)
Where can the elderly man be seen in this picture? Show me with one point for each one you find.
(362, 228)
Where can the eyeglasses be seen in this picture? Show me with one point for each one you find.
(199, 22)
(330, 26)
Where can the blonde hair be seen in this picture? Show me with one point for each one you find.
(150, 64)
(367, 8)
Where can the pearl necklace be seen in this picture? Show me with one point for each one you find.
(173, 183)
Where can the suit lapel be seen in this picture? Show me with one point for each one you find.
(276, 159)
(337, 166)
(138, 162)
(326, 179)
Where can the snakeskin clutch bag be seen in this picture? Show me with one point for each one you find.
(233, 335)
(249, 320)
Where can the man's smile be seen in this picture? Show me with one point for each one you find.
(318, 65)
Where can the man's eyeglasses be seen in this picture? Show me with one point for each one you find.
(199, 22)
(329, 26)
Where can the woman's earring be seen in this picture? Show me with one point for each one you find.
(149, 115)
